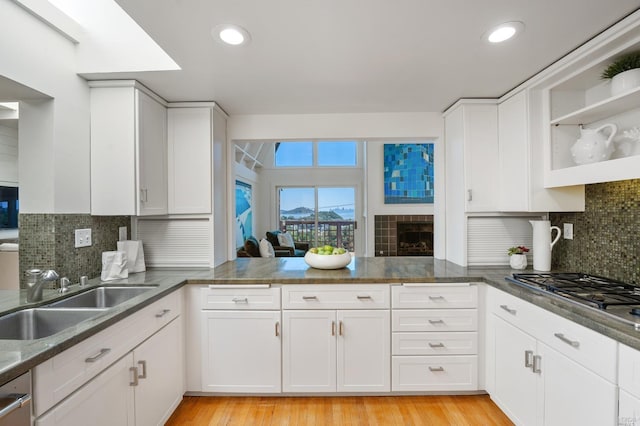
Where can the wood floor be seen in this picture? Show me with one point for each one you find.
(366, 410)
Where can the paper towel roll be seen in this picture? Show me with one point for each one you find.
(114, 265)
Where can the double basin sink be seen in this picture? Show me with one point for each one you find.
(36, 323)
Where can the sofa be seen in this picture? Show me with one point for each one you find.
(298, 250)
(251, 248)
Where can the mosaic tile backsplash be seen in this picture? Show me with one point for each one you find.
(47, 242)
(606, 235)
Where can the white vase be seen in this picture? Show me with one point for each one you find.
(625, 81)
(518, 261)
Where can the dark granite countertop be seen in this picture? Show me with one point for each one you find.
(17, 357)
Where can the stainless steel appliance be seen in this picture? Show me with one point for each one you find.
(614, 298)
(15, 402)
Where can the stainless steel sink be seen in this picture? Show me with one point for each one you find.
(101, 297)
(36, 323)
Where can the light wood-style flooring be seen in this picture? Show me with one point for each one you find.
(472, 410)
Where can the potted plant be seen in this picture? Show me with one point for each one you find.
(624, 73)
(518, 257)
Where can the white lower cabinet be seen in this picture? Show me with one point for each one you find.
(128, 374)
(435, 337)
(239, 339)
(629, 382)
(241, 351)
(142, 388)
(329, 351)
(107, 400)
(548, 370)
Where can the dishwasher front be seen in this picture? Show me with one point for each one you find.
(15, 401)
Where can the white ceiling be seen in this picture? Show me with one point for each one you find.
(350, 56)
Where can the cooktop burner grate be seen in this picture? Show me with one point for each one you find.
(589, 289)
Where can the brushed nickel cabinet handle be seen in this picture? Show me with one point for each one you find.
(537, 362)
(568, 341)
(163, 313)
(309, 297)
(439, 321)
(436, 369)
(506, 308)
(436, 297)
(134, 370)
(277, 328)
(240, 300)
(341, 328)
(333, 328)
(94, 358)
(143, 365)
(436, 345)
(528, 359)
(364, 297)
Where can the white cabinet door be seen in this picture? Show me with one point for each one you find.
(574, 395)
(151, 130)
(241, 351)
(515, 389)
(107, 400)
(159, 368)
(628, 409)
(309, 351)
(364, 351)
(514, 153)
(189, 141)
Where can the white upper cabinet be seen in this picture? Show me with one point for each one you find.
(190, 160)
(471, 132)
(521, 169)
(577, 102)
(128, 150)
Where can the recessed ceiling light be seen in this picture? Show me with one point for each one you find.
(504, 32)
(231, 34)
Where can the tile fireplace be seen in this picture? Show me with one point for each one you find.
(403, 235)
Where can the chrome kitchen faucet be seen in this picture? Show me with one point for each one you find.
(36, 280)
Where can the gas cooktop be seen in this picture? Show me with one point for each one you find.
(615, 298)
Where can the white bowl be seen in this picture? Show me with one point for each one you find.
(328, 261)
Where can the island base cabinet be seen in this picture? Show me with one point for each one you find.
(241, 351)
(329, 351)
(107, 400)
(628, 409)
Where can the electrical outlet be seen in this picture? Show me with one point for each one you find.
(568, 231)
(122, 233)
(83, 237)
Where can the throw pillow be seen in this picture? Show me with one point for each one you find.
(285, 239)
(266, 249)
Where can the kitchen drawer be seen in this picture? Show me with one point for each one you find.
(434, 296)
(434, 320)
(513, 310)
(339, 296)
(455, 343)
(434, 373)
(593, 350)
(57, 377)
(629, 370)
(240, 298)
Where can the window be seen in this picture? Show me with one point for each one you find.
(316, 154)
(294, 154)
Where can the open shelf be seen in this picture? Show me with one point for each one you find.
(603, 109)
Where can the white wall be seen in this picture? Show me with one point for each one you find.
(375, 128)
(54, 134)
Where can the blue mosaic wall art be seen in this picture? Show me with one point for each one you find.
(408, 173)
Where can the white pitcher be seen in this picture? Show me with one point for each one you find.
(542, 244)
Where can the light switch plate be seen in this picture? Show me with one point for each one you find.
(122, 233)
(83, 237)
(568, 231)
